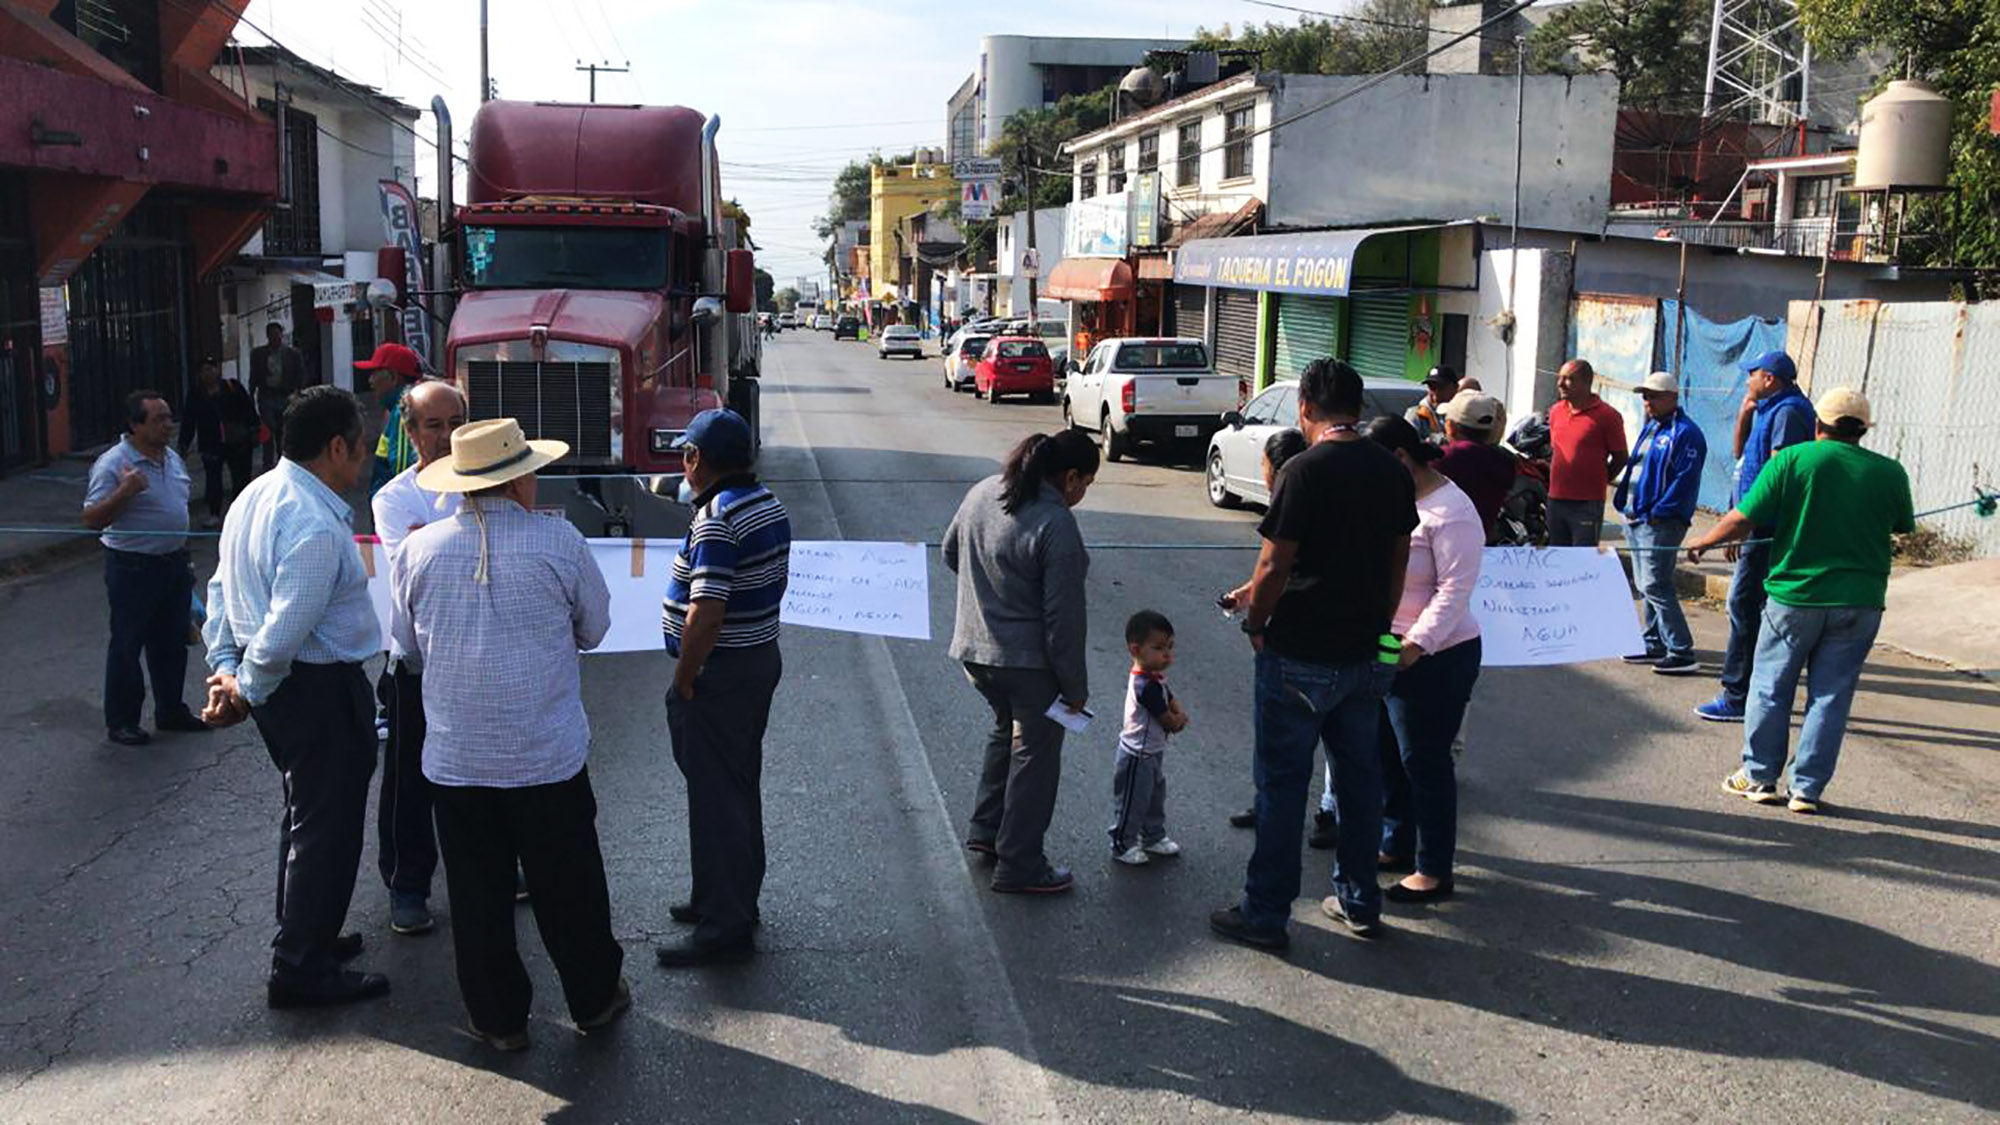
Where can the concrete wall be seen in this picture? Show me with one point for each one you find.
(1010, 79)
(1440, 147)
(1521, 375)
(1012, 239)
(1725, 285)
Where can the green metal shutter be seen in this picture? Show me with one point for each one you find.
(1308, 329)
(1236, 332)
(1378, 334)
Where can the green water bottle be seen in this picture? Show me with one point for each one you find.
(1388, 649)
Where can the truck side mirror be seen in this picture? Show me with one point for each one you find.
(706, 311)
(739, 281)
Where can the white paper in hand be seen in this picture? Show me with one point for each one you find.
(1073, 721)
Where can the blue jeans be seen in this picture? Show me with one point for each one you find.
(1827, 643)
(1298, 704)
(1746, 610)
(1654, 547)
(1419, 777)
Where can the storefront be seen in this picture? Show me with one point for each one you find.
(1104, 295)
(1369, 296)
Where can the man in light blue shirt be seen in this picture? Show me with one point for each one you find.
(289, 623)
(138, 497)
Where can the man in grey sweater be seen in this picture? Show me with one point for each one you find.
(1020, 633)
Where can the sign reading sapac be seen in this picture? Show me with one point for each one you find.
(1559, 605)
(1099, 227)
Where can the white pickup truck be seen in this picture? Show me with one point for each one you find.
(1161, 393)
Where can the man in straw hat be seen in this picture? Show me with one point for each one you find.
(493, 604)
(1832, 507)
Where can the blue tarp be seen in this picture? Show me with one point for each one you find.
(1712, 383)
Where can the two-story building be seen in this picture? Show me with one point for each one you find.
(1285, 217)
(308, 268)
(895, 193)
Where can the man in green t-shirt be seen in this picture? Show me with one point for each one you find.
(1833, 507)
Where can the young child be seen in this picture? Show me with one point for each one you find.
(1138, 788)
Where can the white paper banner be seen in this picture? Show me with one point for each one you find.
(1560, 605)
(879, 589)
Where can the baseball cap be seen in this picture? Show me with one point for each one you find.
(1442, 374)
(1473, 411)
(1841, 402)
(396, 358)
(1660, 382)
(722, 434)
(1777, 363)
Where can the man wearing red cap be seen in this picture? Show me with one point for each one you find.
(392, 370)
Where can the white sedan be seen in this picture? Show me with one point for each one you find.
(1236, 452)
(901, 339)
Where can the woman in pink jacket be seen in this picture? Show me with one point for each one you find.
(1440, 663)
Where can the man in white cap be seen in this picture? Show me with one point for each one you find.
(493, 605)
(1832, 507)
(1657, 496)
(1481, 469)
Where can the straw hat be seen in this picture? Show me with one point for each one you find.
(487, 453)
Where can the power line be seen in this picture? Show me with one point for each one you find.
(1366, 20)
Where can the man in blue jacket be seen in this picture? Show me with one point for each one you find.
(1775, 414)
(1657, 499)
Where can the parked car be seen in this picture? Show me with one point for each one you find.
(1160, 393)
(787, 320)
(961, 360)
(823, 322)
(901, 339)
(1235, 471)
(846, 328)
(1014, 365)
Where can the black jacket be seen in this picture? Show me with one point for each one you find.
(222, 420)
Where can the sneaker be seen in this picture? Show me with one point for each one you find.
(1134, 856)
(1230, 924)
(518, 1041)
(620, 1000)
(1761, 792)
(1052, 881)
(1163, 846)
(1800, 804)
(1245, 819)
(1721, 709)
(1644, 658)
(1676, 666)
(1325, 833)
(1368, 928)
(410, 913)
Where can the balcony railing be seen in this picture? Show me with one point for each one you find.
(1803, 238)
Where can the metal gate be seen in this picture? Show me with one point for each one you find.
(1191, 311)
(1308, 329)
(128, 330)
(1378, 333)
(1236, 332)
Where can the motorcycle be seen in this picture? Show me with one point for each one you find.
(1524, 517)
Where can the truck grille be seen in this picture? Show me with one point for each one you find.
(566, 401)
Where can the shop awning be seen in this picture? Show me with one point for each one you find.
(1091, 279)
(1318, 262)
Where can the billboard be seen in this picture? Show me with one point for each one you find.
(1100, 227)
(975, 198)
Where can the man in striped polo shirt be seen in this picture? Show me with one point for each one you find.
(721, 621)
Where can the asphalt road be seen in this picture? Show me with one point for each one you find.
(1628, 943)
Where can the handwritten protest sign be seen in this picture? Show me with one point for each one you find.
(1561, 605)
(879, 589)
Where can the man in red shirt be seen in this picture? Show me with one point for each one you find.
(1588, 439)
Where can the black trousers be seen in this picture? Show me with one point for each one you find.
(551, 831)
(320, 729)
(152, 608)
(237, 459)
(718, 741)
(406, 842)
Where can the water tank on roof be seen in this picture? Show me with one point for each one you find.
(1141, 87)
(1905, 137)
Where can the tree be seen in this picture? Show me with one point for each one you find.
(786, 299)
(1034, 137)
(1382, 34)
(766, 291)
(1657, 49)
(848, 200)
(1955, 45)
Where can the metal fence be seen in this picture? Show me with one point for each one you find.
(1931, 371)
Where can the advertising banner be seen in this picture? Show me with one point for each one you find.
(401, 228)
(1100, 227)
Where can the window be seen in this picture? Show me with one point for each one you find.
(1236, 135)
(1263, 410)
(1088, 173)
(1817, 197)
(1187, 171)
(1166, 355)
(293, 228)
(565, 257)
(1114, 170)
(1022, 349)
(1149, 153)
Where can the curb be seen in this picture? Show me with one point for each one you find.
(1694, 583)
(37, 561)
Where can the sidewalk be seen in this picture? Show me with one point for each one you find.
(48, 496)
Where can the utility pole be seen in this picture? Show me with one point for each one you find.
(1034, 279)
(485, 77)
(593, 68)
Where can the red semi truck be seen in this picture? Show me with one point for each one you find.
(601, 296)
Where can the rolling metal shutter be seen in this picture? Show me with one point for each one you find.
(1306, 332)
(1190, 311)
(1236, 332)
(1378, 336)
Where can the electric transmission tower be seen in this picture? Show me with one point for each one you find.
(1759, 63)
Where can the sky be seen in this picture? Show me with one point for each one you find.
(801, 86)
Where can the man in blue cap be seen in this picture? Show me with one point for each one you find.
(721, 620)
(1775, 414)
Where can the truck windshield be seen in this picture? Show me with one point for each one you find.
(565, 258)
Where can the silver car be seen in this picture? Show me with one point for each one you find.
(961, 360)
(901, 339)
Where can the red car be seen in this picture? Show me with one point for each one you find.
(1014, 365)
